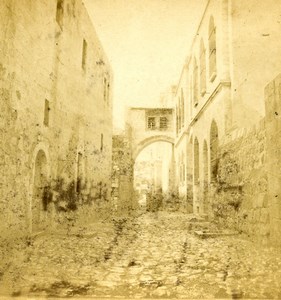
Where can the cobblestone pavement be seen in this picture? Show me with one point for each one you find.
(155, 255)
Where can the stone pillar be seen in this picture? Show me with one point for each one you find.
(189, 177)
(224, 41)
(225, 60)
(172, 171)
(273, 156)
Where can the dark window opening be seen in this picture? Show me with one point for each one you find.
(212, 49)
(107, 95)
(202, 68)
(79, 173)
(47, 113)
(84, 54)
(59, 13)
(151, 123)
(195, 83)
(105, 90)
(101, 142)
(163, 123)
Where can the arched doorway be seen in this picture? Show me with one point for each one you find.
(196, 177)
(214, 142)
(205, 177)
(40, 183)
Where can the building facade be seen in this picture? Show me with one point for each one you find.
(220, 97)
(56, 114)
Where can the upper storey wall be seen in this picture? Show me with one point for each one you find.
(255, 44)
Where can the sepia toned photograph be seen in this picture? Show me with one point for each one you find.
(140, 149)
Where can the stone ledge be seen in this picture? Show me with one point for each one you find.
(211, 234)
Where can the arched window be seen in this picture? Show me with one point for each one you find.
(212, 50)
(195, 82)
(202, 68)
(214, 142)
(190, 96)
(59, 12)
(182, 107)
(196, 161)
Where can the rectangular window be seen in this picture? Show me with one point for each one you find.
(106, 87)
(195, 84)
(84, 55)
(101, 142)
(46, 113)
(59, 13)
(212, 54)
(163, 123)
(202, 71)
(79, 173)
(105, 90)
(151, 123)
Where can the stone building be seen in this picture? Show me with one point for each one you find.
(149, 125)
(144, 126)
(220, 145)
(56, 114)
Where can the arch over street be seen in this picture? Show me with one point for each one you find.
(152, 139)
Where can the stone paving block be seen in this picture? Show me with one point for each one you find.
(157, 261)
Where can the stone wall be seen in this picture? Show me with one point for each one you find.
(56, 117)
(273, 156)
(246, 194)
(238, 199)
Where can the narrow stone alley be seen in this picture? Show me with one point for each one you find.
(155, 255)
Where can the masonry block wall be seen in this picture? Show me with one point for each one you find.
(240, 200)
(56, 120)
(247, 189)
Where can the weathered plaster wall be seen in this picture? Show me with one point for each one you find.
(255, 29)
(273, 157)
(42, 61)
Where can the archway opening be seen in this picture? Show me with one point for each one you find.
(196, 176)
(154, 175)
(40, 186)
(205, 177)
(196, 162)
(214, 142)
